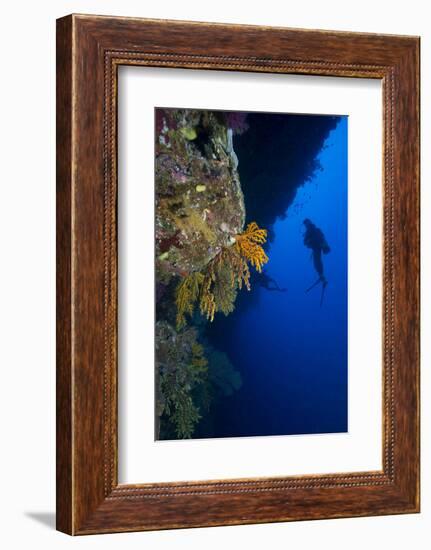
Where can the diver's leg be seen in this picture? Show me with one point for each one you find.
(317, 262)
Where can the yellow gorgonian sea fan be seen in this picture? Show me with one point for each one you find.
(207, 300)
(186, 294)
(249, 246)
(216, 288)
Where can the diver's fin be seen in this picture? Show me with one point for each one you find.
(276, 289)
(323, 292)
(313, 285)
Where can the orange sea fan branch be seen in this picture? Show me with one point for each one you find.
(249, 246)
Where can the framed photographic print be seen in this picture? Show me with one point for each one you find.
(237, 274)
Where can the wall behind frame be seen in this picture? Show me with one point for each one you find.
(27, 277)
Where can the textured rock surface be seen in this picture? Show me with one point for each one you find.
(199, 201)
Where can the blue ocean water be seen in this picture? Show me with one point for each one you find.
(292, 352)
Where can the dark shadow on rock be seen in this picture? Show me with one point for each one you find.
(45, 518)
(277, 155)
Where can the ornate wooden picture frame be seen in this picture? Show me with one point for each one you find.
(89, 51)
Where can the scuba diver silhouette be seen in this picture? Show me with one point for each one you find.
(314, 239)
(269, 283)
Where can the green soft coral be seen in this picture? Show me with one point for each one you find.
(181, 372)
(180, 409)
(186, 294)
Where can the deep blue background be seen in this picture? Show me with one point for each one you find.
(292, 353)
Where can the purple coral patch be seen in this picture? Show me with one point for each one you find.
(237, 122)
(174, 240)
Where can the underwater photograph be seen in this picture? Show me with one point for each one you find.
(251, 264)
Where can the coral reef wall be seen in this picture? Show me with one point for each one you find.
(200, 216)
(199, 201)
